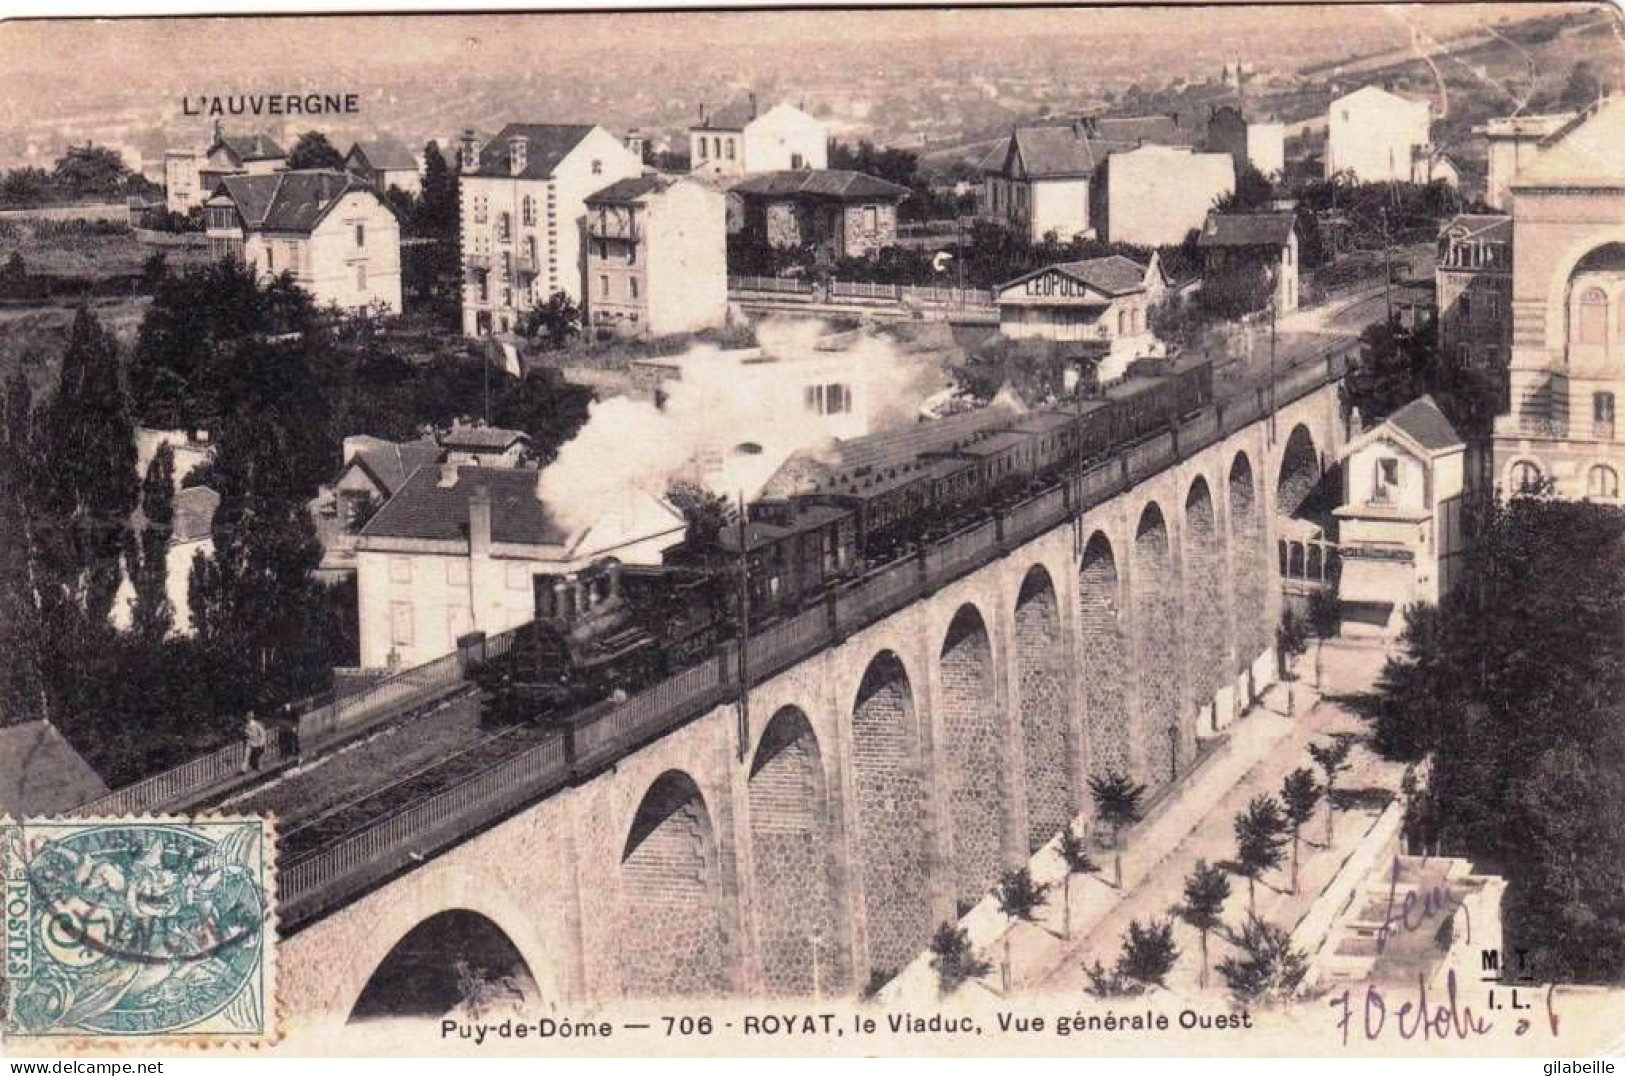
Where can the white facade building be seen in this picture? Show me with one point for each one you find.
(1400, 526)
(1105, 301)
(1376, 135)
(523, 202)
(337, 236)
(1157, 195)
(739, 142)
(461, 548)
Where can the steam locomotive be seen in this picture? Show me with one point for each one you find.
(618, 628)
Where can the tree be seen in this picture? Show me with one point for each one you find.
(1253, 193)
(147, 550)
(313, 150)
(1260, 840)
(1117, 799)
(1019, 898)
(1206, 890)
(1269, 970)
(704, 513)
(1075, 857)
(953, 959)
(90, 171)
(437, 208)
(1242, 287)
(254, 600)
(1148, 955)
(1291, 639)
(553, 323)
(1300, 795)
(89, 487)
(1333, 759)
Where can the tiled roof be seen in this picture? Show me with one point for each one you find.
(1246, 230)
(194, 513)
(290, 201)
(546, 144)
(1161, 129)
(391, 463)
(385, 154)
(1112, 275)
(40, 772)
(494, 438)
(428, 510)
(250, 147)
(1488, 226)
(730, 117)
(628, 191)
(1425, 424)
(833, 183)
(1056, 151)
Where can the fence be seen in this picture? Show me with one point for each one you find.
(776, 284)
(606, 732)
(322, 720)
(858, 289)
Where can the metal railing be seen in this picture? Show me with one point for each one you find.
(322, 719)
(608, 731)
(307, 886)
(779, 284)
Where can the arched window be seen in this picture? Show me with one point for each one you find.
(1593, 317)
(1526, 477)
(1602, 482)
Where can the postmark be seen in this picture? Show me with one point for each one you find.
(148, 929)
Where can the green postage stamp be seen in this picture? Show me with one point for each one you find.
(149, 929)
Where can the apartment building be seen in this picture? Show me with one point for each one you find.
(657, 256)
(523, 205)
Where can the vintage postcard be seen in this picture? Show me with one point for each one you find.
(1068, 530)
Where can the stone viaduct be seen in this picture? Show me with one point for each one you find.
(887, 780)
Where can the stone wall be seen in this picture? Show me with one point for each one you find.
(890, 816)
(1103, 660)
(792, 845)
(671, 941)
(975, 755)
(1041, 687)
(1157, 655)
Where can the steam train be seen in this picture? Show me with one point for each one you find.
(822, 521)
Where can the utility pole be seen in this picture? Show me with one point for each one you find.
(1387, 267)
(744, 632)
(1274, 305)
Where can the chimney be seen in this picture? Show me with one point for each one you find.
(470, 151)
(448, 473)
(219, 129)
(479, 521)
(702, 113)
(753, 104)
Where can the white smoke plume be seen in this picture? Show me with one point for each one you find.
(729, 426)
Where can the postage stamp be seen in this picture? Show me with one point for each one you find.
(139, 929)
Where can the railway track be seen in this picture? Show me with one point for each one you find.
(311, 834)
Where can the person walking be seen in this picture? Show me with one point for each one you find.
(254, 738)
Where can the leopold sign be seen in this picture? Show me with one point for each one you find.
(1052, 285)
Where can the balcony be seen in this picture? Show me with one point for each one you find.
(614, 227)
(1602, 429)
(479, 263)
(524, 266)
